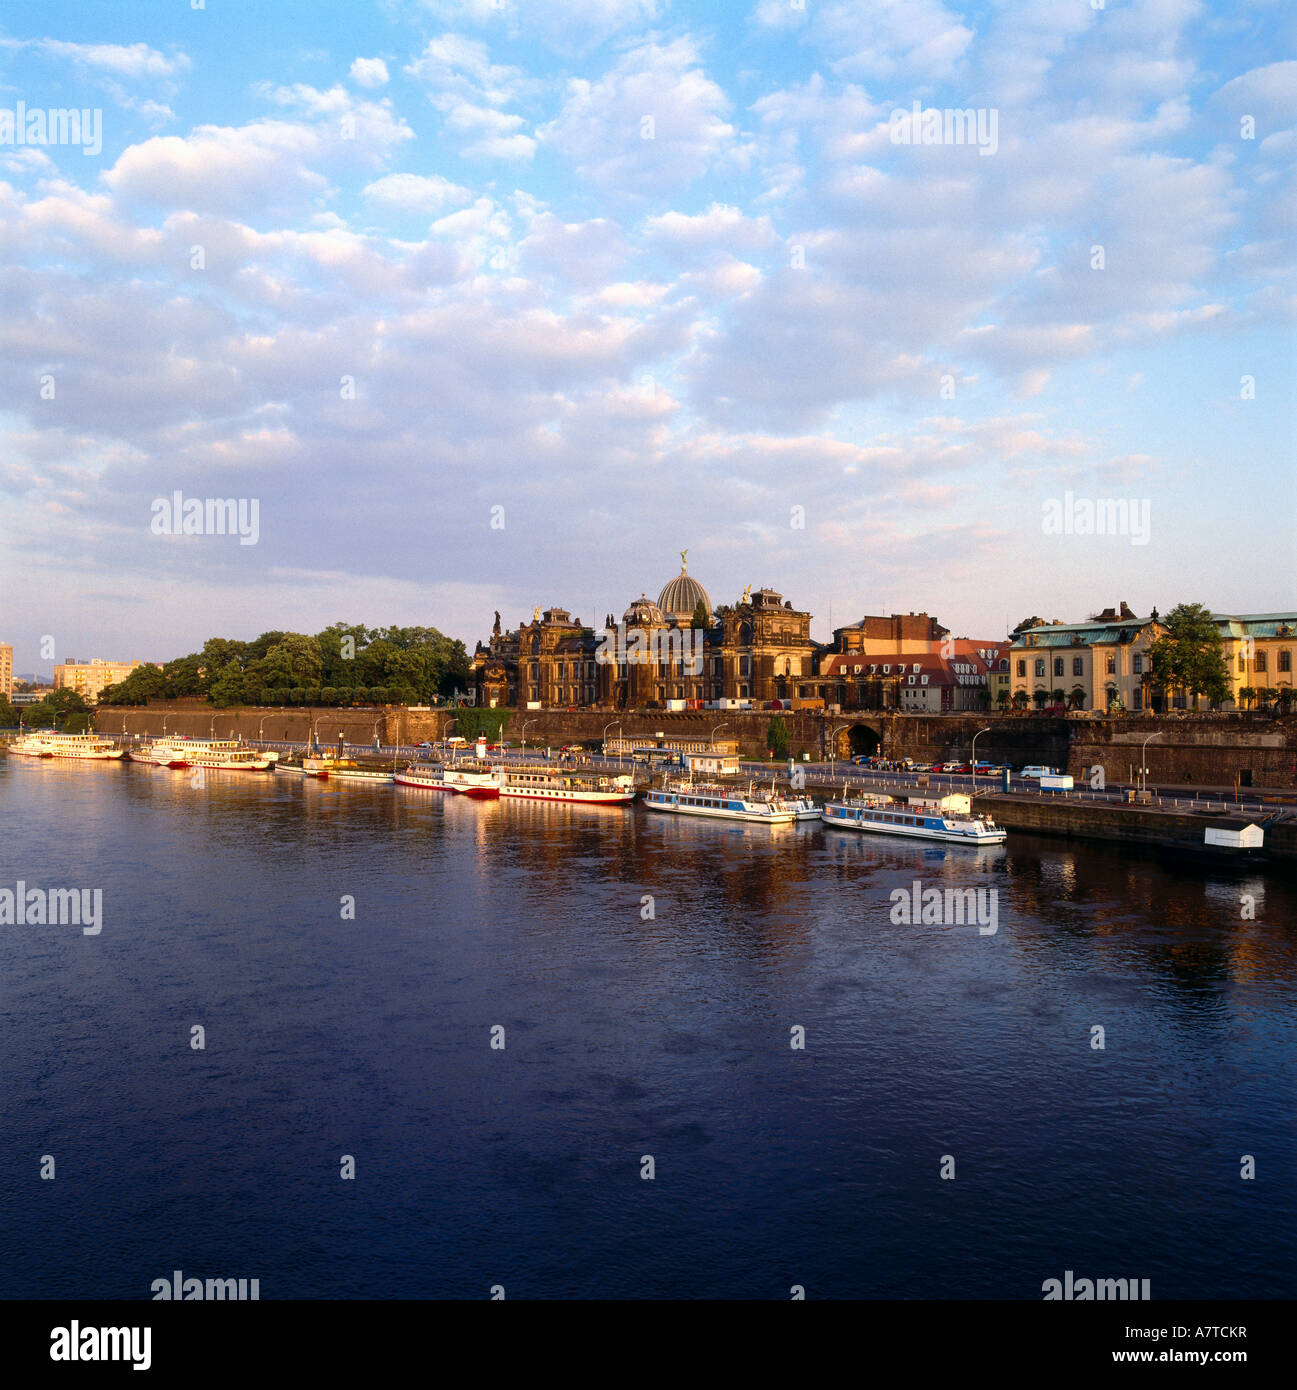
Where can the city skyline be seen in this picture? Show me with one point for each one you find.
(477, 296)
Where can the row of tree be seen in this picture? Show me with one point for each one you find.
(60, 709)
(343, 665)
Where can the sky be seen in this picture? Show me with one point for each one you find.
(490, 305)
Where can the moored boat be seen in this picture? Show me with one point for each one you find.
(47, 743)
(716, 801)
(346, 769)
(551, 782)
(948, 818)
(221, 754)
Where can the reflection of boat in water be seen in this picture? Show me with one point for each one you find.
(46, 743)
(947, 818)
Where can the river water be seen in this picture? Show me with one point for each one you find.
(648, 974)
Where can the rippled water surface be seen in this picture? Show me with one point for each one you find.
(625, 1036)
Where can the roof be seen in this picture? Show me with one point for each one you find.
(681, 596)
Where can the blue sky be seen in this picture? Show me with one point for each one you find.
(645, 276)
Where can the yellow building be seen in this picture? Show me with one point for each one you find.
(88, 678)
(1104, 663)
(6, 669)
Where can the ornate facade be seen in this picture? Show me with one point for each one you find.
(679, 648)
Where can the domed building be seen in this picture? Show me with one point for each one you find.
(756, 650)
(680, 599)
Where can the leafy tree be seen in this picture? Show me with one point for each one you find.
(777, 737)
(295, 662)
(143, 683)
(1056, 696)
(227, 688)
(8, 714)
(1190, 655)
(700, 618)
(1078, 696)
(1002, 698)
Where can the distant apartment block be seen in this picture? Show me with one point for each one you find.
(6, 669)
(88, 678)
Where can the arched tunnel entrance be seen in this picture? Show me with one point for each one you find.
(859, 740)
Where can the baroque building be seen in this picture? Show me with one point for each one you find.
(679, 648)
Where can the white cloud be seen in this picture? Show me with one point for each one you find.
(430, 194)
(653, 122)
(369, 72)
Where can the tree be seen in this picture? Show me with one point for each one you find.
(227, 688)
(1002, 698)
(1056, 695)
(777, 737)
(8, 714)
(1020, 699)
(1078, 696)
(700, 618)
(143, 683)
(1190, 654)
(295, 662)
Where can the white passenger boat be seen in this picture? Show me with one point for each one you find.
(223, 754)
(917, 818)
(46, 743)
(718, 802)
(803, 808)
(550, 782)
(428, 777)
(328, 768)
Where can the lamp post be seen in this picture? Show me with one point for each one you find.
(833, 745)
(612, 723)
(973, 764)
(525, 723)
(1143, 768)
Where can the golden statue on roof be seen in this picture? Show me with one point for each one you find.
(683, 554)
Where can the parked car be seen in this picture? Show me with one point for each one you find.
(982, 767)
(921, 767)
(951, 767)
(1035, 770)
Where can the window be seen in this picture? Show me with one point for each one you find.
(1285, 661)
(1259, 664)
(1058, 665)
(1242, 662)
(1078, 666)
(1112, 665)
(1040, 667)
(1139, 664)
(1022, 668)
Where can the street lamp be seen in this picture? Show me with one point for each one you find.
(833, 744)
(525, 723)
(604, 740)
(976, 736)
(1143, 768)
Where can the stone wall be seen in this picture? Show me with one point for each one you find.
(1208, 750)
(1203, 751)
